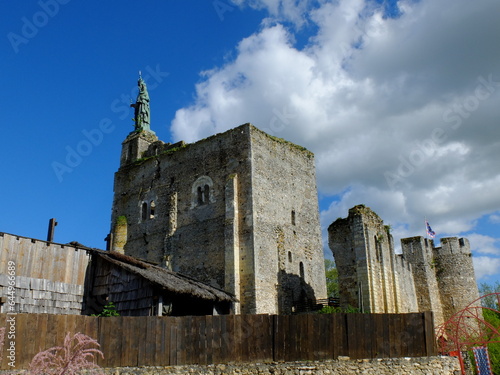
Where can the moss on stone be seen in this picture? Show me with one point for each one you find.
(287, 143)
(121, 220)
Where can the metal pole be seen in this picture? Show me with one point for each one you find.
(50, 232)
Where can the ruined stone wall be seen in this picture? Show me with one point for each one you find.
(341, 242)
(455, 275)
(289, 261)
(217, 209)
(187, 186)
(423, 278)
(406, 293)
(364, 253)
(418, 251)
(49, 277)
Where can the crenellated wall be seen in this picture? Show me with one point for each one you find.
(424, 277)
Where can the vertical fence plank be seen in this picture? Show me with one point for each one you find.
(173, 341)
(191, 347)
(129, 349)
(141, 339)
(148, 356)
(267, 338)
(39, 342)
(238, 338)
(325, 328)
(114, 330)
(430, 340)
(215, 345)
(22, 334)
(278, 339)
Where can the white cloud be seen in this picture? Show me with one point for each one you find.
(485, 266)
(482, 244)
(495, 218)
(402, 114)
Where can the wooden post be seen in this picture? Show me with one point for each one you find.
(50, 232)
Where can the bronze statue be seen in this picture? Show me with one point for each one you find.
(141, 106)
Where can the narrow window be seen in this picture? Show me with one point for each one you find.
(293, 217)
(301, 269)
(152, 210)
(290, 256)
(144, 214)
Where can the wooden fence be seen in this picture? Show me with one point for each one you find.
(163, 341)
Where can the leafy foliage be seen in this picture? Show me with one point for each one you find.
(493, 318)
(332, 309)
(78, 353)
(108, 310)
(490, 301)
(332, 278)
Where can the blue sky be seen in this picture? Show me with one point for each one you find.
(398, 100)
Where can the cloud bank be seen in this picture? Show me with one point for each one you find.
(400, 108)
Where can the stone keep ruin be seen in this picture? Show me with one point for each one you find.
(237, 211)
(375, 279)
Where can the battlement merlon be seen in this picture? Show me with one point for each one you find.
(453, 245)
(417, 250)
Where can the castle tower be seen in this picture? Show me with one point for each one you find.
(419, 252)
(455, 275)
(237, 210)
(364, 255)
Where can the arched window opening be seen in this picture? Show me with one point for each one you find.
(293, 217)
(202, 193)
(144, 214)
(290, 256)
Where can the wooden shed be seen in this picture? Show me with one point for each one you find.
(138, 288)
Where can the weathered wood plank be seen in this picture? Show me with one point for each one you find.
(430, 341)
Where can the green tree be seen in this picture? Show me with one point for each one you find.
(493, 318)
(491, 301)
(332, 278)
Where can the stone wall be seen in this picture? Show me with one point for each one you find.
(423, 278)
(418, 251)
(455, 275)
(238, 211)
(286, 231)
(343, 366)
(50, 277)
(371, 277)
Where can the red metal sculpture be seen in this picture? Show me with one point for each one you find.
(467, 329)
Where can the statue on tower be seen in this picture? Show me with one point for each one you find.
(141, 107)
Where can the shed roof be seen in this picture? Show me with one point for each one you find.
(173, 282)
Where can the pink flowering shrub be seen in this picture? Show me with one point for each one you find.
(78, 353)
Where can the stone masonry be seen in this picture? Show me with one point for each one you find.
(342, 366)
(424, 277)
(238, 210)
